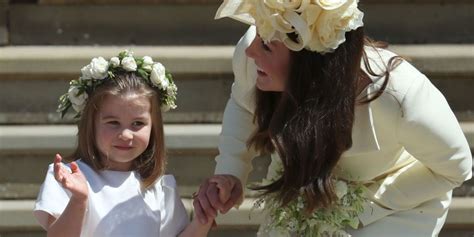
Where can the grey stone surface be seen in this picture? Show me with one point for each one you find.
(396, 22)
(3, 23)
(201, 98)
(189, 168)
(132, 24)
(31, 101)
(57, 59)
(443, 22)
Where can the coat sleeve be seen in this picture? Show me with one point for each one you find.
(234, 156)
(429, 131)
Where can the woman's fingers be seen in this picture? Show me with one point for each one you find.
(213, 197)
(230, 187)
(224, 186)
(236, 195)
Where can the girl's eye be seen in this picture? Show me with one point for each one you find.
(113, 122)
(138, 123)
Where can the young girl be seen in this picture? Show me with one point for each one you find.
(327, 103)
(116, 186)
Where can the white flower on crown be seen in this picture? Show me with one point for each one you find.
(147, 63)
(172, 89)
(93, 75)
(114, 61)
(158, 76)
(165, 108)
(129, 64)
(96, 69)
(77, 101)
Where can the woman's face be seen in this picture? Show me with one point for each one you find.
(272, 62)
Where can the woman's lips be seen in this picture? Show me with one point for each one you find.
(261, 73)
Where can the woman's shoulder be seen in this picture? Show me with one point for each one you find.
(401, 77)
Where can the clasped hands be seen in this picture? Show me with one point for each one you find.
(218, 193)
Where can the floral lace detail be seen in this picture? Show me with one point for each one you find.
(291, 219)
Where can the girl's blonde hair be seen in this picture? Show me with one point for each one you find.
(151, 163)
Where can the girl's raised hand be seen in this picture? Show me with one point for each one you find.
(73, 181)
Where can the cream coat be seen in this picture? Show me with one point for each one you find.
(407, 147)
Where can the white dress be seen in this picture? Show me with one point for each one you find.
(116, 206)
(408, 147)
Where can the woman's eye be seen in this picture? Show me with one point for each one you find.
(265, 47)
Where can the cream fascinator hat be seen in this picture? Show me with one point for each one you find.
(320, 25)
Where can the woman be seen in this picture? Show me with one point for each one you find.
(325, 102)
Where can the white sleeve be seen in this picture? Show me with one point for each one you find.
(430, 132)
(176, 218)
(237, 126)
(52, 199)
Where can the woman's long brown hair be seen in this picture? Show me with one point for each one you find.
(310, 123)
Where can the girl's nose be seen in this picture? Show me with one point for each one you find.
(126, 134)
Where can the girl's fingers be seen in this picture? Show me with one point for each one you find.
(57, 167)
(75, 168)
(199, 212)
(58, 158)
(203, 198)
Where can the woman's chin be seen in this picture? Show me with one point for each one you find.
(263, 83)
(266, 84)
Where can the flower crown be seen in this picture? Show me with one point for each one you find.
(99, 70)
(320, 25)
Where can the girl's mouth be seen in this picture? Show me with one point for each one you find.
(124, 148)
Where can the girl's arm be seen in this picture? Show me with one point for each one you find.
(196, 229)
(70, 221)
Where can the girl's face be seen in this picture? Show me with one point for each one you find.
(272, 62)
(123, 129)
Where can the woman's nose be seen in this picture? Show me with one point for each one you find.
(126, 134)
(251, 50)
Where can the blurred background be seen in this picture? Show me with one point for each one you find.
(44, 43)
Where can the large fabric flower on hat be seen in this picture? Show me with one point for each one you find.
(320, 25)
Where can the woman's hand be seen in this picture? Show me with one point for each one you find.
(73, 181)
(218, 193)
